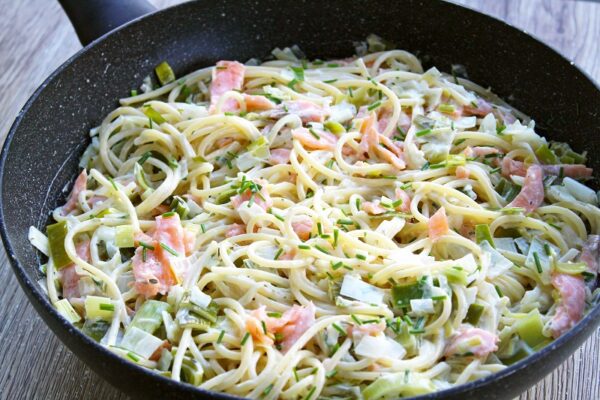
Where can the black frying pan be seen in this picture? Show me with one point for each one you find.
(42, 149)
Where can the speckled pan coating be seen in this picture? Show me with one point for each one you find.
(40, 155)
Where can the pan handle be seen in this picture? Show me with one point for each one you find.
(93, 18)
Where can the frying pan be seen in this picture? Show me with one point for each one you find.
(39, 158)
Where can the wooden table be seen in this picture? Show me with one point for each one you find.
(36, 37)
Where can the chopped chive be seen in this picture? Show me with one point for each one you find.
(292, 83)
(274, 314)
(296, 375)
(319, 228)
(278, 253)
(267, 390)
(374, 106)
(334, 349)
(416, 331)
(167, 248)
(107, 307)
(221, 335)
(361, 257)
(495, 170)
(329, 164)
(355, 319)
(423, 132)
(437, 298)
(264, 326)
(347, 267)
(425, 166)
(146, 245)
(315, 134)
(133, 357)
(168, 214)
(134, 92)
(322, 250)
(298, 73)
(330, 81)
(332, 65)
(304, 247)
(112, 182)
(337, 265)
(350, 92)
(245, 338)
(498, 290)
(144, 157)
(339, 329)
(331, 374)
(538, 265)
(203, 228)
(555, 226)
(406, 376)
(345, 222)
(336, 234)
(144, 255)
(310, 394)
(547, 249)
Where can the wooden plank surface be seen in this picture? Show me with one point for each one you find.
(36, 37)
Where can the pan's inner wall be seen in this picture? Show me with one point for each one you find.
(44, 153)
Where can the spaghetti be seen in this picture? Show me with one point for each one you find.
(336, 229)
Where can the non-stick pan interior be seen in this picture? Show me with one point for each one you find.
(44, 146)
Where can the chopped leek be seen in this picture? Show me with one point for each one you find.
(403, 294)
(191, 371)
(66, 310)
(165, 360)
(474, 314)
(180, 206)
(154, 115)
(56, 244)
(570, 268)
(99, 307)
(545, 155)
(379, 347)
(149, 316)
(530, 328)
(95, 328)
(164, 73)
(334, 127)
(580, 191)
(457, 276)
(455, 160)
(397, 385)
(482, 233)
(124, 236)
(355, 288)
(140, 342)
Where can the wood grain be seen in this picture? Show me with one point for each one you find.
(36, 37)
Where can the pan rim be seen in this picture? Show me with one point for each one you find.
(41, 302)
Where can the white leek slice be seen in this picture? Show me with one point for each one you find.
(354, 288)
(66, 310)
(99, 307)
(580, 191)
(379, 347)
(422, 306)
(38, 240)
(498, 263)
(390, 228)
(506, 244)
(199, 298)
(140, 342)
